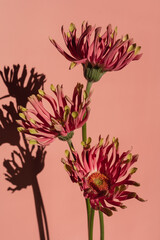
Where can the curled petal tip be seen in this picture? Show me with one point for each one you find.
(72, 27)
(23, 109)
(72, 65)
(52, 87)
(32, 131)
(33, 142)
(41, 92)
(137, 49)
(125, 38)
(22, 115)
(20, 129)
(132, 47)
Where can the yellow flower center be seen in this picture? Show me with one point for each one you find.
(98, 181)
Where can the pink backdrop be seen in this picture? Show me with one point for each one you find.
(124, 104)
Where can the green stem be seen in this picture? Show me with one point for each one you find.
(90, 211)
(101, 225)
(70, 144)
(84, 128)
(88, 206)
(88, 87)
(91, 224)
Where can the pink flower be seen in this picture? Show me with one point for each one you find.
(66, 115)
(104, 53)
(103, 174)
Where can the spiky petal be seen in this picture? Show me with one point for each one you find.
(103, 175)
(103, 53)
(65, 116)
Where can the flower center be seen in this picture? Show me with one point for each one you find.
(98, 181)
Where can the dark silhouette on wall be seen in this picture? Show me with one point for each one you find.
(8, 125)
(21, 87)
(28, 161)
(24, 166)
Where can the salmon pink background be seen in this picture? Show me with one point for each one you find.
(125, 104)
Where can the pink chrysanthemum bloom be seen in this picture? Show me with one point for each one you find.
(67, 115)
(98, 53)
(103, 174)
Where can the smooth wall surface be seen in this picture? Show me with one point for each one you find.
(125, 104)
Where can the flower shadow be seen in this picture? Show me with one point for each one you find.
(20, 86)
(28, 161)
(8, 125)
(24, 166)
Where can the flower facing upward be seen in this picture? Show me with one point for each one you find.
(98, 55)
(103, 174)
(67, 115)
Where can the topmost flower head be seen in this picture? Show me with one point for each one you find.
(103, 53)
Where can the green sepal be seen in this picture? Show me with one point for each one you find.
(92, 73)
(66, 138)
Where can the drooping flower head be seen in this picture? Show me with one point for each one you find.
(103, 174)
(66, 115)
(98, 53)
